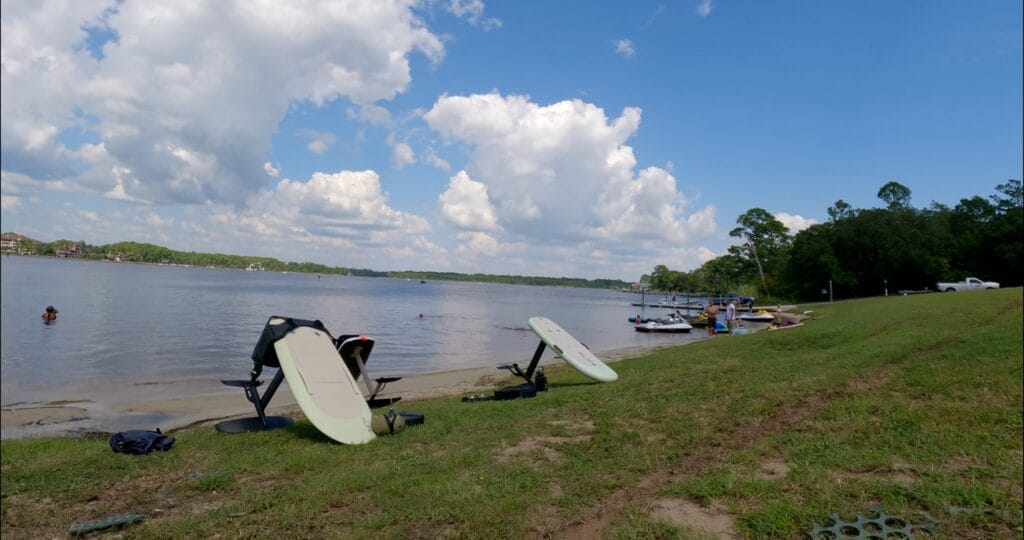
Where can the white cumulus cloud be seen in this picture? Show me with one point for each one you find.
(319, 142)
(436, 161)
(473, 11)
(565, 164)
(402, 155)
(370, 114)
(624, 48)
(795, 222)
(476, 244)
(704, 8)
(562, 175)
(465, 204)
(9, 202)
(183, 101)
(342, 209)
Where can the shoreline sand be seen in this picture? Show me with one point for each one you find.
(207, 402)
(82, 417)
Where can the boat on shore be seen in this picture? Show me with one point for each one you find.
(674, 326)
(674, 323)
(757, 316)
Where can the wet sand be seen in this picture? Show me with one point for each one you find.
(208, 402)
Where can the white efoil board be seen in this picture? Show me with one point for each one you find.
(571, 350)
(323, 386)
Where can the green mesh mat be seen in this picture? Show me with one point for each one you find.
(109, 522)
(880, 526)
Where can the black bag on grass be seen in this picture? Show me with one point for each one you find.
(139, 441)
(525, 390)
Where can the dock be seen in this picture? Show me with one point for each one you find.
(700, 307)
(669, 305)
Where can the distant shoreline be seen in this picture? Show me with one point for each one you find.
(304, 268)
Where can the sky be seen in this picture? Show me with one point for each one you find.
(571, 138)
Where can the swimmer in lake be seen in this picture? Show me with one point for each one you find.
(50, 314)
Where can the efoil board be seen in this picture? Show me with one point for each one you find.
(571, 350)
(323, 386)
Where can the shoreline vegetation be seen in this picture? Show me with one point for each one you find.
(135, 252)
(872, 403)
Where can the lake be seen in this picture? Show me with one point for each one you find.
(135, 328)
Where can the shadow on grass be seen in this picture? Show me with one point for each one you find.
(571, 384)
(306, 430)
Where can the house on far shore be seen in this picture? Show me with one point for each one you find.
(9, 242)
(16, 243)
(73, 249)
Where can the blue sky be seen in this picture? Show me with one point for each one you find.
(589, 139)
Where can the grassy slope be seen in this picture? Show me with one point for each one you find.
(913, 403)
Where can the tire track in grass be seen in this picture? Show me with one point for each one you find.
(743, 436)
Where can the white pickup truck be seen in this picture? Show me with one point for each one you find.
(970, 284)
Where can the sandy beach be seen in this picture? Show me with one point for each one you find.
(58, 418)
(186, 403)
(208, 402)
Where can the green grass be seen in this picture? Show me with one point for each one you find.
(908, 403)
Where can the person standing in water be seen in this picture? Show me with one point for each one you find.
(712, 313)
(730, 315)
(50, 314)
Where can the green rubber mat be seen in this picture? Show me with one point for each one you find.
(109, 522)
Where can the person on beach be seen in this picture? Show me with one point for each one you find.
(712, 313)
(730, 315)
(50, 314)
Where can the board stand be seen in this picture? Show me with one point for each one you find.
(528, 374)
(355, 358)
(532, 384)
(261, 422)
(372, 400)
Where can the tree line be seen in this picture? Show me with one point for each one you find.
(149, 253)
(515, 280)
(138, 252)
(864, 252)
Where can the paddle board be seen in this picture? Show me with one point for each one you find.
(323, 386)
(571, 350)
(785, 326)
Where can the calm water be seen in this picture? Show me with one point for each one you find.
(127, 325)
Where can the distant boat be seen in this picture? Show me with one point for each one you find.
(421, 281)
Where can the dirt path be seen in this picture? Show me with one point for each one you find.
(741, 437)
